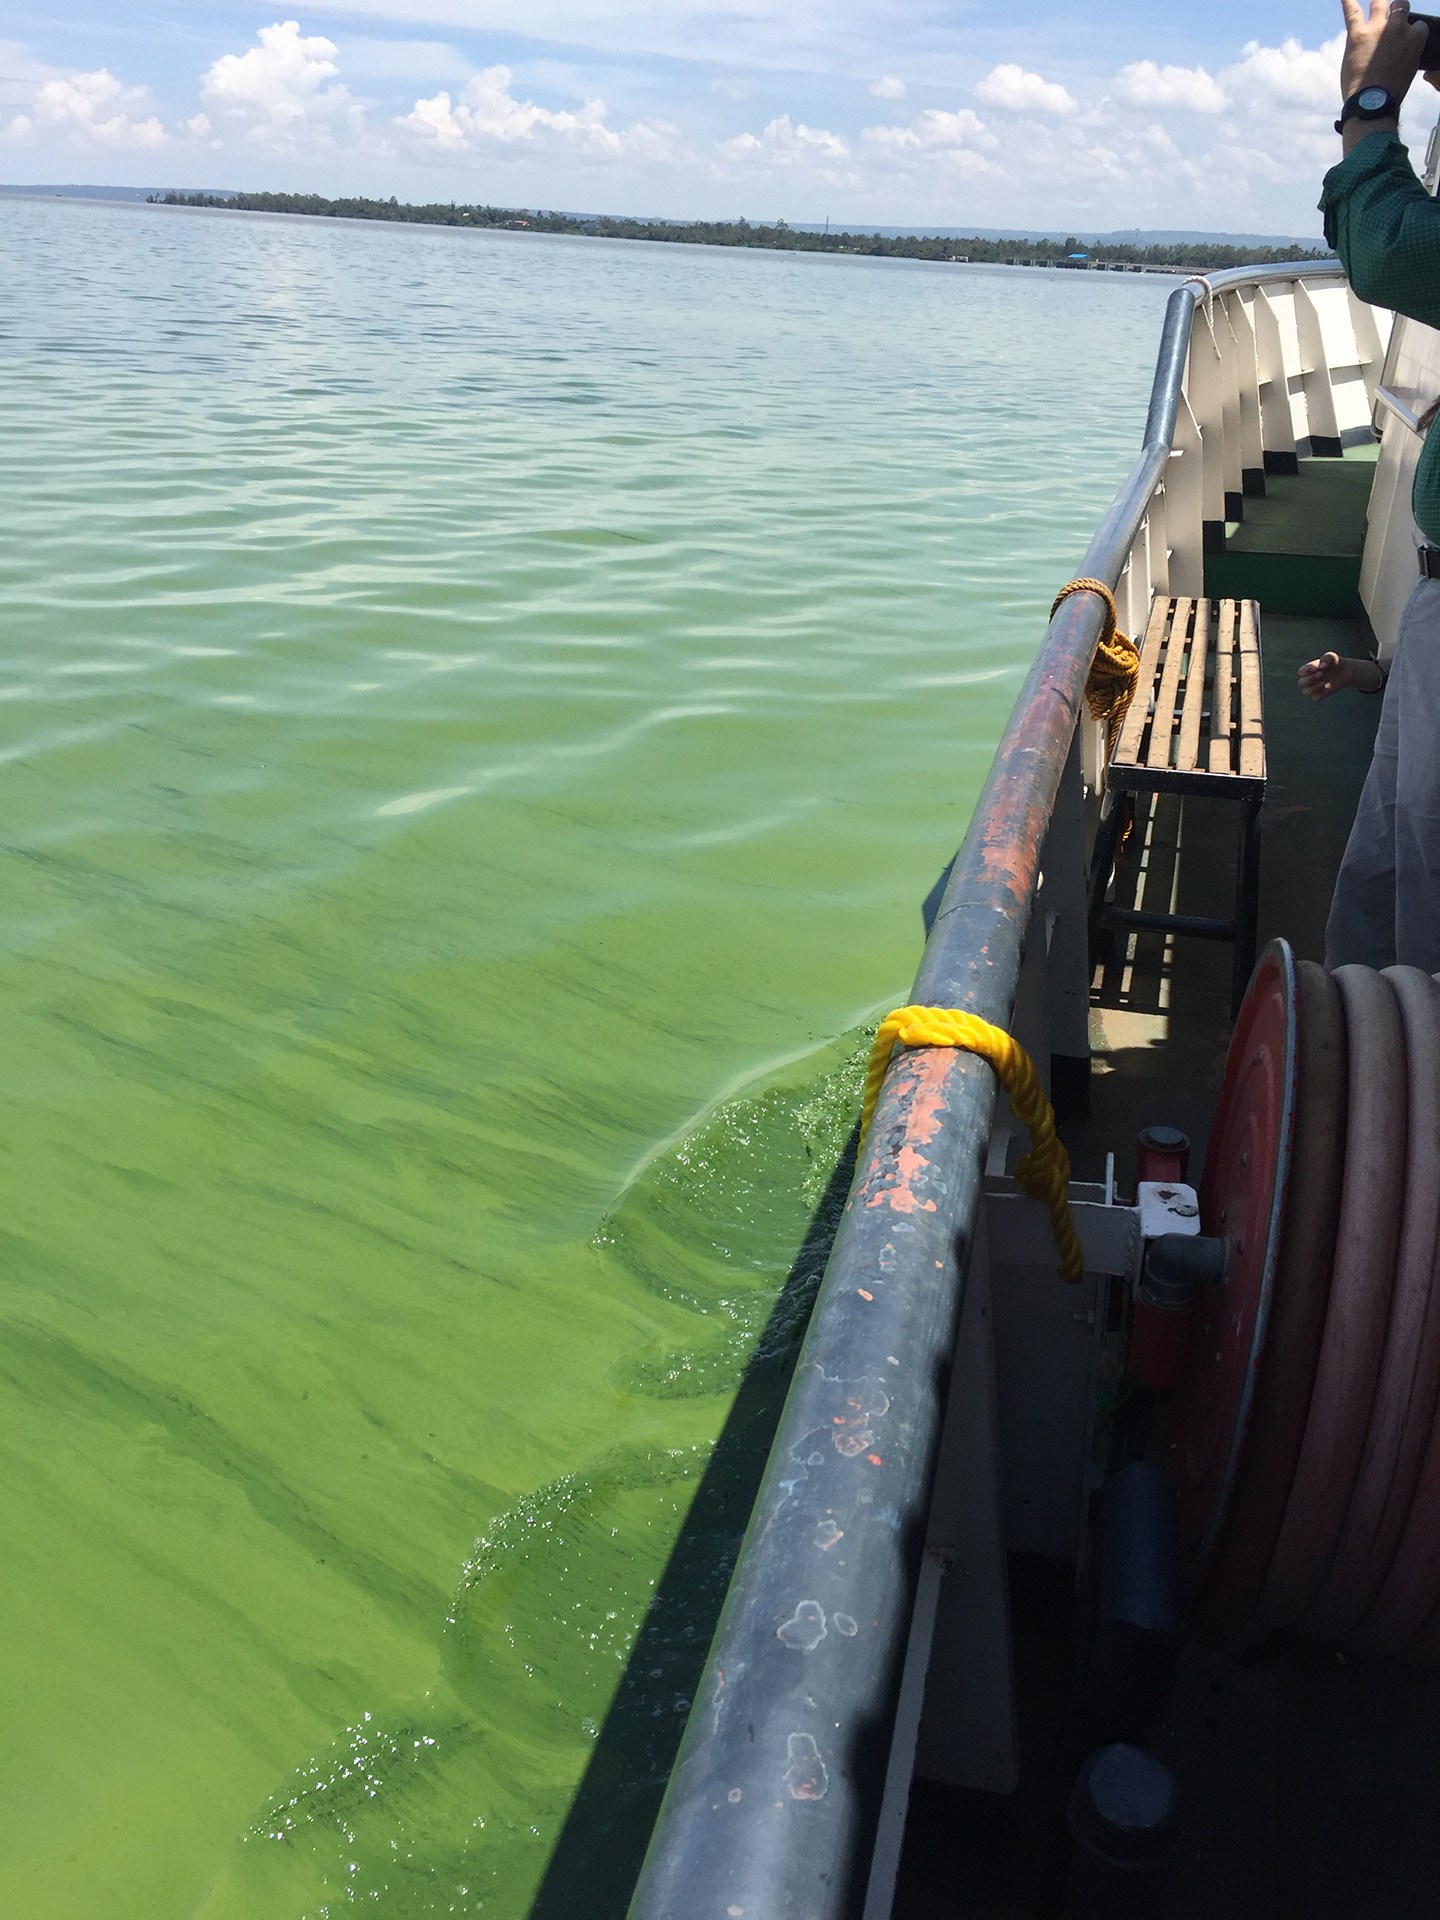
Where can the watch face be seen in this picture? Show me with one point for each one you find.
(1372, 99)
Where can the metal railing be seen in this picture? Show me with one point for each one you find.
(775, 1799)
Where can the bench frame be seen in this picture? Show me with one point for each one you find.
(1188, 678)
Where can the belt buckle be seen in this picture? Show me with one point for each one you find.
(1429, 558)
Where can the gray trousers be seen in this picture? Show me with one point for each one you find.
(1386, 907)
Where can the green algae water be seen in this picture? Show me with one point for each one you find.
(481, 714)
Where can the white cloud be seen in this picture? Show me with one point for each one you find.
(282, 95)
(198, 126)
(86, 110)
(935, 132)
(487, 117)
(1278, 137)
(1288, 76)
(887, 87)
(1017, 91)
(1190, 89)
(791, 148)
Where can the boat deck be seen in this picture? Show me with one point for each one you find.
(1310, 1785)
(1160, 1012)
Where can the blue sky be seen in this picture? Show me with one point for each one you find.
(1206, 116)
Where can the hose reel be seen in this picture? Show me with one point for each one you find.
(1306, 1439)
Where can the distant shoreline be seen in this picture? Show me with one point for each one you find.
(943, 248)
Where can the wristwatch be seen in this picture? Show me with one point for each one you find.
(1370, 103)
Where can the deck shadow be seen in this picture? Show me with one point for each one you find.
(597, 1858)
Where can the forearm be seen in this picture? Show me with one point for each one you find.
(1354, 131)
(1385, 227)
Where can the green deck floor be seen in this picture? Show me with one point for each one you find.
(1297, 550)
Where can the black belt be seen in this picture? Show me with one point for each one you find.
(1429, 558)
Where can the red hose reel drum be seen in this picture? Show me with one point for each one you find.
(1242, 1202)
(1244, 1536)
(1306, 1449)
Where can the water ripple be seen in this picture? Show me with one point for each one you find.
(470, 705)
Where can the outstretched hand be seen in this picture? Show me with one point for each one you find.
(1332, 672)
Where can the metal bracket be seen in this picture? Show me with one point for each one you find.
(1112, 1235)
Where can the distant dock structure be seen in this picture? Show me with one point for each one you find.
(1082, 263)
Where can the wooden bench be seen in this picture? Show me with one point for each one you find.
(1195, 728)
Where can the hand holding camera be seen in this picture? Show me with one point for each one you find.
(1386, 47)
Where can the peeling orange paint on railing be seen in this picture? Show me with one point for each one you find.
(900, 1167)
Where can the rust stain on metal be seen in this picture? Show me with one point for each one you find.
(806, 1776)
(854, 1432)
(924, 1113)
(901, 1197)
(928, 1106)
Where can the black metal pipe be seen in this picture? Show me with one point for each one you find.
(1196, 926)
(773, 1805)
(774, 1801)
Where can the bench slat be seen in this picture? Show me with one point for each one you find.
(1220, 760)
(1252, 714)
(1187, 754)
(1162, 727)
(1152, 653)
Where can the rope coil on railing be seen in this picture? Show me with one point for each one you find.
(1115, 670)
(1044, 1172)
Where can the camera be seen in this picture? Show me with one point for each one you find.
(1431, 61)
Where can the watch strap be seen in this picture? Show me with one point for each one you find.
(1352, 110)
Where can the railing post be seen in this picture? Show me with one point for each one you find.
(1315, 374)
(1059, 930)
(1204, 396)
(1277, 413)
(1368, 343)
(1157, 540)
(1252, 439)
(1185, 505)
(1230, 411)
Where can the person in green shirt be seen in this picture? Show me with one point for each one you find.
(1386, 229)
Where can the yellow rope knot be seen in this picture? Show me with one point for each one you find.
(1044, 1172)
(1115, 670)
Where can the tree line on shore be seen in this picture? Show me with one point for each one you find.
(742, 233)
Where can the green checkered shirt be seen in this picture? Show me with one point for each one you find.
(1386, 230)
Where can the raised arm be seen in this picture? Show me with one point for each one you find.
(1378, 216)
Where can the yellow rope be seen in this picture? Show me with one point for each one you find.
(1115, 670)
(1044, 1172)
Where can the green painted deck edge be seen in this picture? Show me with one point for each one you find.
(1324, 584)
(1298, 548)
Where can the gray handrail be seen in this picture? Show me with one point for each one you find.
(773, 1803)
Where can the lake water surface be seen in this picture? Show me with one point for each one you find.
(480, 715)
